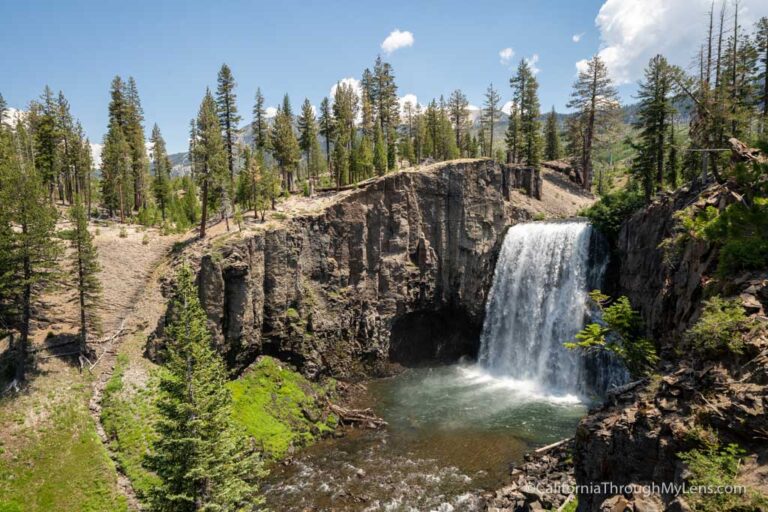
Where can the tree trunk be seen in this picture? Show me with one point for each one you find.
(204, 215)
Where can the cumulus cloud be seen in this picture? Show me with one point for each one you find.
(532, 61)
(506, 55)
(407, 98)
(577, 37)
(270, 112)
(397, 39)
(633, 31)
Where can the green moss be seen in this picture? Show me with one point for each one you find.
(62, 464)
(128, 420)
(279, 407)
(292, 314)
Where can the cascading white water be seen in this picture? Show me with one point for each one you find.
(538, 300)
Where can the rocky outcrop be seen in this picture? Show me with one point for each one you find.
(635, 437)
(340, 291)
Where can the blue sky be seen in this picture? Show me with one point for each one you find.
(174, 49)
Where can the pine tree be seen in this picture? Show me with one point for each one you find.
(308, 136)
(594, 97)
(327, 128)
(259, 125)
(162, 164)
(491, 113)
(226, 102)
(526, 99)
(115, 171)
(43, 115)
(458, 106)
(654, 118)
(3, 110)
(345, 107)
(29, 248)
(85, 267)
(285, 147)
(209, 156)
(134, 135)
(552, 149)
(200, 456)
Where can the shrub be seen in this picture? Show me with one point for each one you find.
(608, 214)
(145, 239)
(620, 335)
(123, 232)
(721, 328)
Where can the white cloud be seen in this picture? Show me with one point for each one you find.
(408, 98)
(532, 61)
(270, 112)
(96, 154)
(396, 40)
(633, 31)
(577, 37)
(507, 107)
(506, 55)
(581, 66)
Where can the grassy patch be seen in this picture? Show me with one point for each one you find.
(58, 464)
(127, 418)
(279, 407)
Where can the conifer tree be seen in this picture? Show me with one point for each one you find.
(654, 120)
(512, 137)
(43, 117)
(259, 125)
(308, 136)
(85, 267)
(761, 77)
(327, 128)
(526, 98)
(200, 456)
(115, 171)
(491, 114)
(209, 155)
(134, 135)
(285, 147)
(552, 149)
(162, 164)
(458, 106)
(594, 97)
(29, 248)
(226, 102)
(3, 110)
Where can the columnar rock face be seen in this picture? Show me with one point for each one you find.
(397, 270)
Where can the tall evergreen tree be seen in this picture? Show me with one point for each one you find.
(209, 156)
(379, 151)
(458, 106)
(162, 183)
(29, 248)
(116, 171)
(512, 137)
(308, 136)
(491, 114)
(200, 456)
(285, 147)
(327, 128)
(134, 135)
(552, 149)
(44, 126)
(85, 267)
(654, 120)
(761, 77)
(259, 125)
(594, 98)
(226, 102)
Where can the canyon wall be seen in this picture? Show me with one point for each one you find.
(396, 271)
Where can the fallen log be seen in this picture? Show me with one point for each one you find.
(618, 390)
(553, 445)
(364, 417)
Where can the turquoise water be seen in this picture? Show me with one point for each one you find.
(453, 431)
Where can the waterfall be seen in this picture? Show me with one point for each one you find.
(538, 300)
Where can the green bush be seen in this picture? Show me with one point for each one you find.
(610, 212)
(123, 232)
(714, 466)
(720, 329)
(620, 335)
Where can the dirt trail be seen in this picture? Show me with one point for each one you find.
(131, 304)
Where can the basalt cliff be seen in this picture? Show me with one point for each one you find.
(395, 271)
